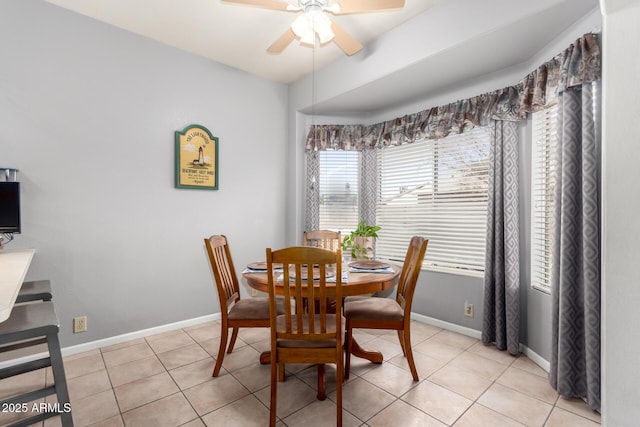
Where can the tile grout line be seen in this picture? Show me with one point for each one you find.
(466, 350)
(113, 391)
(180, 390)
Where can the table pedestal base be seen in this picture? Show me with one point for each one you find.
(371, 355)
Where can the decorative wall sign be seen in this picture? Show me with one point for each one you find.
(196, 158)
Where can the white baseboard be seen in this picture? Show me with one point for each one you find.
(446, 325)
(535, 357)
(532, 355)
(84, 347)
(81, 348)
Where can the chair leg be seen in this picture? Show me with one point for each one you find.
(349, 339)
(322, 393)
(221, 348)
(234, 336)
(339, 381)
(280, 371)
(57, 368)
(409, 354)
(401, 339)
(274, 391)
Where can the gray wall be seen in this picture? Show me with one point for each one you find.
(88, 114)
(620, 207)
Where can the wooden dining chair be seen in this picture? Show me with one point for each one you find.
(305, 336)
(386, 313)
(235, 312)
(325, 239)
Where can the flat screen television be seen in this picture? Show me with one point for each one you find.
(9, 207)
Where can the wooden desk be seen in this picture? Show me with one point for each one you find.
(357, 284)
(13, 269)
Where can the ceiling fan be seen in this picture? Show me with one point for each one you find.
(315, 22)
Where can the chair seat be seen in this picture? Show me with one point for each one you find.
(28, 321)
(331, 327)
(252, 309)
(373, 309)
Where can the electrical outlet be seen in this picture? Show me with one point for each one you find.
(468, 309)
(254, 292)
(79, 324)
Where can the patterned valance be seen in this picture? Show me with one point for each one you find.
(578, 64)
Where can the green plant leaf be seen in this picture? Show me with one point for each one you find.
(362, 230)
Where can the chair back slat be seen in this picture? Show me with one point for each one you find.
(326, 239)
(410, 271)
(223, 267)
(305, 273)
(223, 270)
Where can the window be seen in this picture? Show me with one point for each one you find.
(339, 189)
(437, 189)
(542, 190)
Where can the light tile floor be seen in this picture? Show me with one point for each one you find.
(165, 380)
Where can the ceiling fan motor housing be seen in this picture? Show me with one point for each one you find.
(307, 4)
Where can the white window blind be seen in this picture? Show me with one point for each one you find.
(542, 190)
(339, 188)
(436, 189)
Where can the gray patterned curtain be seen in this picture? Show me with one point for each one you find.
(575, 275)
(368, 203)
(501, 316)
(312, 215)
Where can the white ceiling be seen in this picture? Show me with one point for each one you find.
(449, 41)
(473, 50)
(237, 35)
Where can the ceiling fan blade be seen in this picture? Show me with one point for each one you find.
(267, 4)
(358, 6)
(281, 44)
(344, 40)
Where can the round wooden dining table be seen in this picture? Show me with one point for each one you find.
(360, 283)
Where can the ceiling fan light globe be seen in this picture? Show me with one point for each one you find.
(322, 27)
(301, 26)
(325, 35)
(321, 20)
(308, 37)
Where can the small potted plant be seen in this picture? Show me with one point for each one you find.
(360, 242)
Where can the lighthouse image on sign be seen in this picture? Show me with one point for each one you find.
(200, 160)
